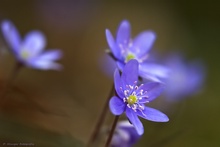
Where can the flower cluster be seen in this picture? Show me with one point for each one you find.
(174, 77)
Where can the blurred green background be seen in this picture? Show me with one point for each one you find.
(50, 108)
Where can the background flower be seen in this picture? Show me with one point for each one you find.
(125, 135)
(30, 50)
(186, 78)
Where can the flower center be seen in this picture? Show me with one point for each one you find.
(129, 57)
(132, 99)
(24, 54)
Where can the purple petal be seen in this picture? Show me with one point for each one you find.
(120, 65)
(153, 115)
(196, 75)
(185, 80)
(51, 55)
(123, 34)
(118, 84)
(43, 64)
(113, 46)
(34, 42)
(117, 106)
(130, 130)
(147, 76)
(11, 35)
(132, 116)
(143, 43)
(130, 72)
(155, 69)
(153, 89)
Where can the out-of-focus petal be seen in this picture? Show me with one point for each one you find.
(51, 55)
(155, 69)
(153, 115)
(132, 116)
(34, 43)
(143, 43)
(123, 33)
(11, 35)
(117, 106)
(43, 64)
(186, 78)
(129, 128)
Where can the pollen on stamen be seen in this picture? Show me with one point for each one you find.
(136, 87)
(125, 92)
(141, 91)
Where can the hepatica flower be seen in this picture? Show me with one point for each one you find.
(125, 135)
(185, 78)
(124, 49)
(29, 51)
(131, 97)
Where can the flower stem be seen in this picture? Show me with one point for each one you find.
(9, 84)
(112, 131)
(101, 118)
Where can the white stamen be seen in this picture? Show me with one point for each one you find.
(141, 91)
(131, 87)
(128, 106)
(142, 107)
(124, 99)
(134, 93)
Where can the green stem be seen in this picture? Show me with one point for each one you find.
(112, 131)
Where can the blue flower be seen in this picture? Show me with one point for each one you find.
(131, 97)
(125, 49)
(30, 50)
(185, 78)
(125, 135)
